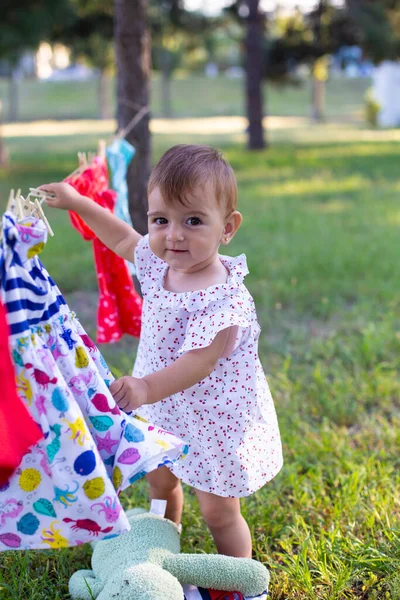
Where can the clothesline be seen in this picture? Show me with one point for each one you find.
(133, 122)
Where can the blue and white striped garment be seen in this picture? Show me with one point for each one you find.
(30, 295)
(65, 490)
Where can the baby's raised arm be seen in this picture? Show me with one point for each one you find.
(194, 366)
(120, 237)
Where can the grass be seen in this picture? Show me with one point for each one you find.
(321, 233)
(193, 96)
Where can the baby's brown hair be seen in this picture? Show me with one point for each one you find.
(186, 166)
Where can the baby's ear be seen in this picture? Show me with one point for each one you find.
(232, 224)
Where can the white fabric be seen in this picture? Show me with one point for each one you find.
(228, 419)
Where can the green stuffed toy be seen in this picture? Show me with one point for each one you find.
(145, 564)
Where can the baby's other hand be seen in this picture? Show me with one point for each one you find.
(129, 392)
(65, 196)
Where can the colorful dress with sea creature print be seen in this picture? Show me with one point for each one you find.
(65, 490)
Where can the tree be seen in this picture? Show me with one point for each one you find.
(132, 47)
(89, 32)
(376, 24)
(24, 23)
(175, 31)
(254, 75)
(248, 13)
(309, 38)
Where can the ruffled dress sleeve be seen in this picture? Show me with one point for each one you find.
(143, 258)
(224, 306)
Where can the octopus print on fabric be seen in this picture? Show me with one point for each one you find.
(228, 418)
(65, 490)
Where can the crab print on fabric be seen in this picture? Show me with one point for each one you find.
(65, 490)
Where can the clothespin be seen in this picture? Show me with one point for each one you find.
(35, 206)
(82, 165)
(18, 204)
(12, 204)
(43, 216)
(41, 193)
(9, 208)
(82, 159)
(27, 206)
(101, 148)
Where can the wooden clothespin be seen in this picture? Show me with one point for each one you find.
(18, 204)
(11, 207)
(11, 203)
(41, 193)
(82, 159)
(27, 206)
(101, 148)
(43, 216)
(36, 208)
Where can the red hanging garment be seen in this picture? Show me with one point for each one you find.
(119, 307)
(18, 431)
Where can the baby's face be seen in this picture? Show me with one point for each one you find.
(186, 237)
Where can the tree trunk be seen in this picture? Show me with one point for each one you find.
(165, 85)
(104, 96)
(318, 100)
(254, 73)
(13, 97)
(132, 45)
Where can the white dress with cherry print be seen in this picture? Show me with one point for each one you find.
(228, 418)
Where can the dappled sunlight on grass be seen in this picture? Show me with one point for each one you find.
(331, 207)
(394, 219)
(316, 185)
(298, 130)
(321, 234)
(353, 149)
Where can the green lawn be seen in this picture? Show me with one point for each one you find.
(321, 233)
(193, 96)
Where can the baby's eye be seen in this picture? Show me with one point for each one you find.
(193, 221)
(160, 221)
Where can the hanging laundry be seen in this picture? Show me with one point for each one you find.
(120, 307)
(65, 490)
(119, 154)
(18, 431)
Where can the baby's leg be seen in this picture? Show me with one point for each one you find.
(165, 486)
(228, 528)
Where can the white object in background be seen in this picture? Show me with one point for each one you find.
(158, 507)
(386, 90)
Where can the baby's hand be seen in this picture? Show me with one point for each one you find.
(65, 196)
(129, 392)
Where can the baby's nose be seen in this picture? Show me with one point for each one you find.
(175, 233)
